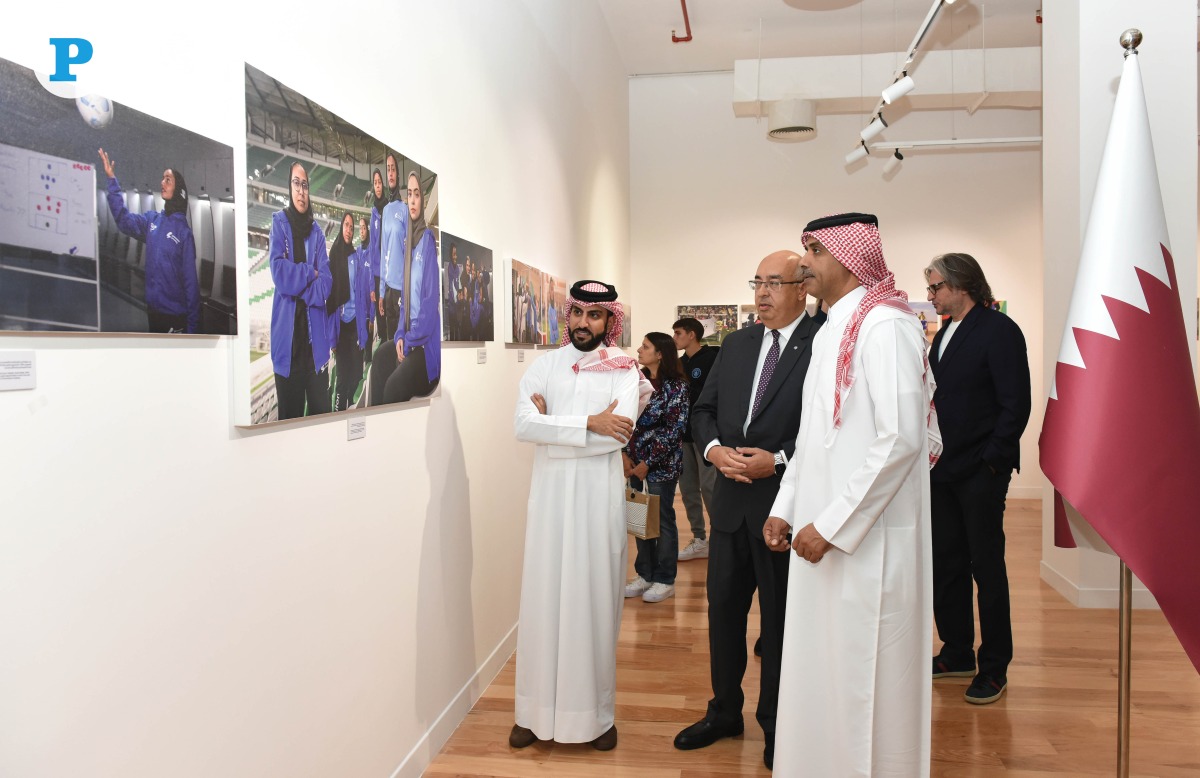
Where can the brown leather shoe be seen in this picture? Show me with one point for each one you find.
(521, 737)
(607, 741)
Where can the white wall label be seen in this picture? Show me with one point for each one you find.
(356, 429)
(18, 370)
(481, 356)
(520, 355)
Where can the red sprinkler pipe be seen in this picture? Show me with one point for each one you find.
(686, 25)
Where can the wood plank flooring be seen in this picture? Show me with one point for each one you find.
(1057, 718)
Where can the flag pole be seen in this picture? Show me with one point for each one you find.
(1130, 40)
(1125, 641)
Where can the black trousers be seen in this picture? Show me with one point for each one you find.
(737, 564)
(166, 322)
(349, 360)
(391, 312)
(393, 382)
(968, 542)
(305, 392)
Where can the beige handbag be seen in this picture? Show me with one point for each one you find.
(641, 513)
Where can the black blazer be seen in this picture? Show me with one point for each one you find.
(983, 394)
(722, 407)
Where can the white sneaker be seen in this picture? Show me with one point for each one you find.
(697, 549)
(658, 592)
(636, 587)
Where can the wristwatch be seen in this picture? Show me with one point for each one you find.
(780, 463)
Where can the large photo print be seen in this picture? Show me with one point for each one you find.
(110, 220)
(345, 283)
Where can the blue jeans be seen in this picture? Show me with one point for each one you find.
(658, 559)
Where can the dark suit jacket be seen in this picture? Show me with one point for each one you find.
(724, 403)
(983, 395)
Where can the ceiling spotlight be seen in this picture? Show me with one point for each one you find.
(860, 152)
(893, 164)
(899, 89)
(792, 119)
(874, 128)
(337, 191)
(267, 170)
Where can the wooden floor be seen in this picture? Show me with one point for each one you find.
(1057, 718)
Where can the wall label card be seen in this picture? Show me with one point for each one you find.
(18, 370)
(356, 429)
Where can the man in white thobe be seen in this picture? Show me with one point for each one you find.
(577, 405)
(854, 692)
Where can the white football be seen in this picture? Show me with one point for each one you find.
(97, 111)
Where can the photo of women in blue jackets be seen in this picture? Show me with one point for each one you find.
(415, 367)
(299, 322)
(172, 288)
(344, 262)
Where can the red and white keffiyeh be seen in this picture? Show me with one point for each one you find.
(607, 358)
(613, 307)
(853, 240)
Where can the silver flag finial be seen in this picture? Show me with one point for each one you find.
(1130, 40)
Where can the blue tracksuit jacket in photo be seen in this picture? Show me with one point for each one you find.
(171, 283)
(294, 281)
(393, 244)
(425, 325)
(375, 242)
(357, 312)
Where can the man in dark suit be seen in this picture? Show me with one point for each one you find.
(746, 422)
(983, 403)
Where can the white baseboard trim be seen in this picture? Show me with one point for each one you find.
(1108, 597)
(1025, 492)
(430, 744)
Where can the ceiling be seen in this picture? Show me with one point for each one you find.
(727, 30)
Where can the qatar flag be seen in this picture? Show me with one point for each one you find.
(1121, 437)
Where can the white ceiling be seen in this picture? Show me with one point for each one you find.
(727, 30)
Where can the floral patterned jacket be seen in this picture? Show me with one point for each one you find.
(658, 436)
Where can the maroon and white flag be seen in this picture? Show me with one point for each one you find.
(1121, 437)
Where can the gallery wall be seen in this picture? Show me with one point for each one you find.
(183, 597)
(711, 195)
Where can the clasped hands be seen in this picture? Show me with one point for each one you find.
(808, 543)
(743, 464)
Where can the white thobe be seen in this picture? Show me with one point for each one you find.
(575, 550)
(855, 687)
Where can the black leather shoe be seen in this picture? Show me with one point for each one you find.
(704, 733)
(520, 737)
(607, 741)
(758, 647)
(769, 753)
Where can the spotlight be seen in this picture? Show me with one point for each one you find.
(874, 128)
(899, 89)
(337, 191)
(257, 174)
(266, 171)
(893, 164)
(860, 152)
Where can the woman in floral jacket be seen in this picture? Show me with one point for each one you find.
(655, 455)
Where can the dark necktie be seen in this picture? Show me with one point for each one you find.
(768, 370)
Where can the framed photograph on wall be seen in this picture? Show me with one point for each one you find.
(111, 220)
(718, 320)
(467, 299)
(342, 240)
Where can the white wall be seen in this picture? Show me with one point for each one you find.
(710, 196)
(178, 597)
